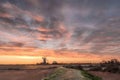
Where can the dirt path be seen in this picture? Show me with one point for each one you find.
(72, 74)
(106, 75)
(66, 74)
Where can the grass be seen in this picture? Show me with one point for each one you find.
(89, 76)
(57, 73)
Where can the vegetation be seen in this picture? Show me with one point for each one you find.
(112, 65)
(55, 74)
(54, 62)
(89, 76)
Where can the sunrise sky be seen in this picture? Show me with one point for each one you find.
(62, 30)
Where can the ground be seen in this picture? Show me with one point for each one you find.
(39, 72)
(106, 75)
(49, 72)
(25, 72)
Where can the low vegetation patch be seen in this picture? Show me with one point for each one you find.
(56, 74)
(89, 76)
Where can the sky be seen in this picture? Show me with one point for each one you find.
(61, 30)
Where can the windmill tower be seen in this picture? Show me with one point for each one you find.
(44, 60)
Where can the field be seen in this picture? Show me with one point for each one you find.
(25, 72)
(106, 75)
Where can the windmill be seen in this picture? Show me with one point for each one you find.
(44, 60)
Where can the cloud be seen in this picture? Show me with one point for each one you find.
(79, 26)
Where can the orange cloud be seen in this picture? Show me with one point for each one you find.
(43, 29)
(38, 18)
(5, 15)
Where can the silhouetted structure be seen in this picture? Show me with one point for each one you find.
(44, 60)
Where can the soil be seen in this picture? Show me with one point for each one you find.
(106, 75)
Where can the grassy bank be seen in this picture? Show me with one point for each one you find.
(56, 74)
(89, 76)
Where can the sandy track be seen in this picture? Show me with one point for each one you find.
(72, 74)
